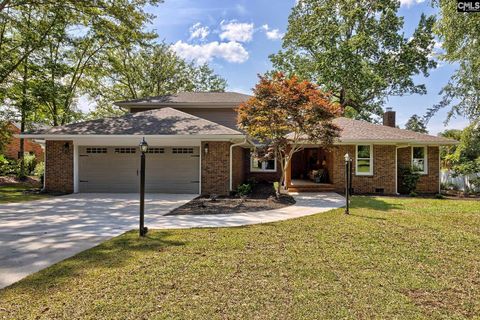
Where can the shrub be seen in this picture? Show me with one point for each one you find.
(413, 194)
(244, 189)
(8, 167)
(409, 180)
(439, 196)
(475, 183)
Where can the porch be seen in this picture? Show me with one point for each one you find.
(311, 170)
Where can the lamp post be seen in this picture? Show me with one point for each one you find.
(143, 149)
(348, 181)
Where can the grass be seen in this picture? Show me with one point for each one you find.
(391, 258)
(15, 193)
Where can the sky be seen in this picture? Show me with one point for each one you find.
(237, 37)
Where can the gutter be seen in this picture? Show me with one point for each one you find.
(244, 142)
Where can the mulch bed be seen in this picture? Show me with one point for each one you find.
(262, 198)
(33, 182)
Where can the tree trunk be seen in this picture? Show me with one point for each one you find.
(23, 120)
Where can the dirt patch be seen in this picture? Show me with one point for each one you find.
(33, 182)
(262, 198)
(449, 300)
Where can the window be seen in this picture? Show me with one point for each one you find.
(156, 150)
(419, 159)
(258, 165)
(364, 165)
(182, 150)
(96, 150)
(125, 150)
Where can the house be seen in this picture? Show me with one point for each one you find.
(196, 147)
(12, 149)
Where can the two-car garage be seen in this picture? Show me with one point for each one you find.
(115, 169)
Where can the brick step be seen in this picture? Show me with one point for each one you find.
(324, 188)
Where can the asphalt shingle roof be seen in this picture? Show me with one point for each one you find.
(190, 98)
(165, 121)
(364, 131)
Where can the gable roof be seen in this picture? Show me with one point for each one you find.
(165, 121)
(358, 130)
(181, 98)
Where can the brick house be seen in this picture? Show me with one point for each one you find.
(12, 150)
(196, 147)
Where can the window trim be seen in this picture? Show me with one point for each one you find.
(252, 169)
(425, 159)
(369, 173)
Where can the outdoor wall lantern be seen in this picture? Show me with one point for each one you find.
(205, 148)
(348, 181)
(66, 147)
(143, 148)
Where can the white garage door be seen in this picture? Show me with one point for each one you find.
(117, 169)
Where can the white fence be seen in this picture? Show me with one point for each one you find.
(460, 182)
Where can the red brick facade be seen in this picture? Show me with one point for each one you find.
(216, 167)
(13, 148)
(59, 166)
(428, 183)
(384, 170)
(383, 178)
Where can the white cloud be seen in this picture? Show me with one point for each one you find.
(201, 53)
(272, 34)
(409, 3)
(199, 31)
(236, 31)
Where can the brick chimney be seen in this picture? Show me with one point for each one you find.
(389, 117)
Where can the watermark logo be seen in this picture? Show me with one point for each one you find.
(468, 6)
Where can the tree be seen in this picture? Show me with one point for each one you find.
(356, 50)
(446, 152)
(459, 34)
(417, 124)
(284, 112)
(123, 19)
(132, 73)
(464, 159)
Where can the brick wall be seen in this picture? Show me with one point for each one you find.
(260, 176)
(216, 168)
(12, 149)
(383, 170)
(59, 166)
(428, 183)
(238, 168)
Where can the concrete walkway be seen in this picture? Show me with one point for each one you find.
(37, 234)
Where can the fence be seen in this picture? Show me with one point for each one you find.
(460, 182)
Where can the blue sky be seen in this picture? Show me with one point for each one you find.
(236, 38)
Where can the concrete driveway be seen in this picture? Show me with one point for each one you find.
(37, 234)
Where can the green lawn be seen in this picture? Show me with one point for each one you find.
(391, 258)
(15, 193)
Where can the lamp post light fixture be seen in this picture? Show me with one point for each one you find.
(143, 148)
(348, 181)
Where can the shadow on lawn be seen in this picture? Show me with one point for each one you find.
(374, 203)
(109, 255)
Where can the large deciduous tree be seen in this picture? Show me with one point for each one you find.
(131, 73)
(416, 123)
(356, 49)
(284, 112)
(459, 34)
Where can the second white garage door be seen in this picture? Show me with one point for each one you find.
(117, 169)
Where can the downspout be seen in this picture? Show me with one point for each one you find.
(231, 160)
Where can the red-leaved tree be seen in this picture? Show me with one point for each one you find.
(286, 113)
